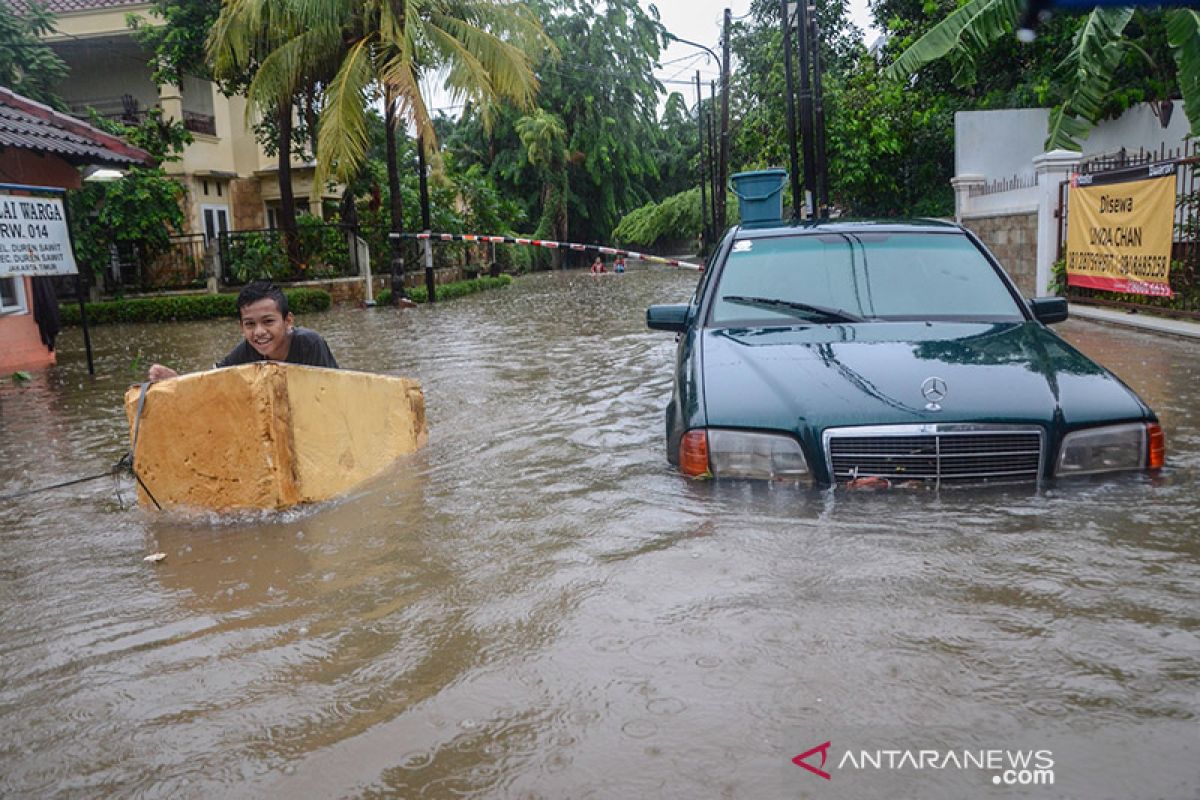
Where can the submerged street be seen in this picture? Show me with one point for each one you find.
(537, 605)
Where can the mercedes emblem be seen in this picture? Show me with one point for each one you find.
(934, 390)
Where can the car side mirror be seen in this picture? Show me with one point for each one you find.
(668, 317)
(1049, 310)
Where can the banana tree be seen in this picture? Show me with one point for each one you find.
(1087, 72)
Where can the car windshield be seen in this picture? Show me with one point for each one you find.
(852, 277)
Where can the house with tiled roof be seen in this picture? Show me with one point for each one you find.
(42, 153)
(230, 182)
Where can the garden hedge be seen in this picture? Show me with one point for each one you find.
(448, 291)
(177, 308)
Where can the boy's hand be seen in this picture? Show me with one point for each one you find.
(158, 372)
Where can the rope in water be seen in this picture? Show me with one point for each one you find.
(124, 464)
(608, 251)
(112, 471)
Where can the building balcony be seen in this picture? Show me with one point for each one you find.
(197, 122)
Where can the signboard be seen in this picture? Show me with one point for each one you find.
(34, 239)
(1119, 230)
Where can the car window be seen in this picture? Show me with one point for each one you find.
(892, 276)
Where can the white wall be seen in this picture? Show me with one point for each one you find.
(1002, 143)
(998, 144)
(1137, 127)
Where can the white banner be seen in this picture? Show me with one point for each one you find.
(34, 239)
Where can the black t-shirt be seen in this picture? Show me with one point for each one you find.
(307, 347)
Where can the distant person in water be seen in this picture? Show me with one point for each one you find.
(269, 334)
(598, 266)
(619, 264)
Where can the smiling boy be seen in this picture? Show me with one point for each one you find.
(269, 334)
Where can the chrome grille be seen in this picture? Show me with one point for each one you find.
(943, 452)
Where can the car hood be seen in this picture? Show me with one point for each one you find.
(806, 379)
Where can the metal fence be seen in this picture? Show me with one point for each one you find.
(134, 268)
(324, 251)
(1003, 185)
(1185, 249)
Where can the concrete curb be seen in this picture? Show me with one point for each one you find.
(1145, 322)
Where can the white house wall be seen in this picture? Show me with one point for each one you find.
(1003, 143)
(998, 144)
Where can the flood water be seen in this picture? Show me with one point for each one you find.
(536, 605)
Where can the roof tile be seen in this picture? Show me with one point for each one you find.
(69, 6)
(28, 125)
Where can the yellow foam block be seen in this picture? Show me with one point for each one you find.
(270, 435)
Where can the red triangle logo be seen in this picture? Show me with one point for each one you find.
(823, 749)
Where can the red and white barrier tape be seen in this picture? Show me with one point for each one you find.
(608, 251)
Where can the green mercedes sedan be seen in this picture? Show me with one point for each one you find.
(877, 353)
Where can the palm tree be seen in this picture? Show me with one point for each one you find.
(484, 49)
(545, 140)
(246, 37)
(1088, 69)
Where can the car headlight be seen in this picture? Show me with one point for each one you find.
(742, 454)
(1115, 447)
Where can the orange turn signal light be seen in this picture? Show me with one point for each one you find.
(693, 453)
(1157, 453)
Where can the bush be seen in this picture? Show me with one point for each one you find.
(448, 291)
(324, 247)
(255, 256)
(515, 258)
(178, 308)
(677, 217)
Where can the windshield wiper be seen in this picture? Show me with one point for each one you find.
(794, 307)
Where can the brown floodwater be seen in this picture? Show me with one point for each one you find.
(536, 605)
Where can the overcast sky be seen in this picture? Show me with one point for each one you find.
(701, 21)
(697, 20)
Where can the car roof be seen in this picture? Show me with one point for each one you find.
(763, 230)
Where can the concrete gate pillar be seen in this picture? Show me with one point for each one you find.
(1051, 169)
(963, 184)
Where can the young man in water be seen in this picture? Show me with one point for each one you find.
(269, 334)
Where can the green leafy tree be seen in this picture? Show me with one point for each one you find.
(676, 148)
(544, 137)
(1111, 49)
(141, 211)
(606, 95)
(176, 39)
(603, 90)
(888, 155)
(27, 65)
(889, 149)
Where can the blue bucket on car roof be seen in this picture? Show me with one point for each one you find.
(759, 194)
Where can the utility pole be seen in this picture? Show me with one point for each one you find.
(712, 159)
(430, 286)
(724, 171)
(786, 20)
(822, 198)
(806, 108)
(395, 202)
(709, 233)
(706, 234)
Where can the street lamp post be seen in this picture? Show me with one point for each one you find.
(717, 169)
(705, 233)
